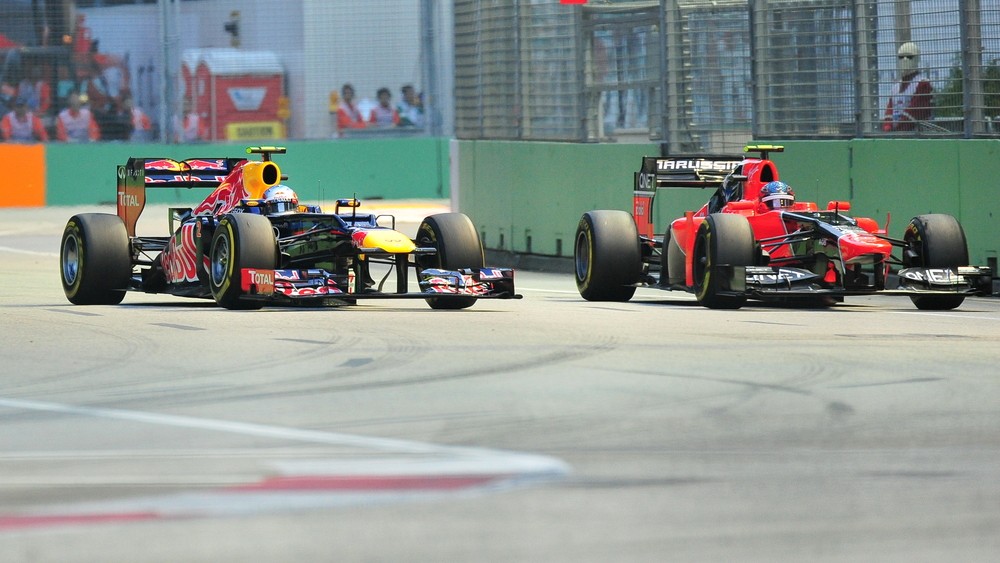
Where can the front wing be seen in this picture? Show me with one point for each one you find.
(765, 282)
(303, 285)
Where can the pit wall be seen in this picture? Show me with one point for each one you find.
(319, 171)
(527, 197)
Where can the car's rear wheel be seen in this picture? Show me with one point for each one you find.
(458, 247)
(95, 259)
(241, 240)
(606, 256)
(722, 239)
(935, 241)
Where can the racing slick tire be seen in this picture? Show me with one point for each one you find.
(671, 262)
(723, 238)
(937, 241)
(241, 240)
(606, 256)
(95, 259)
(458, 247)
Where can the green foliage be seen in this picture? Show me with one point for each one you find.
(948, 102)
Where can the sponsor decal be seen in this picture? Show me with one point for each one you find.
(247, 98)
(256, 281)
(490, 274)
(226, 196)
(163, 164)
(179, 259)
(699, 164)
(783, 276)
(217, 164)
(942, 276)
(251, 131)
(128, 200)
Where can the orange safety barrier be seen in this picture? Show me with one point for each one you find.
(24, 168)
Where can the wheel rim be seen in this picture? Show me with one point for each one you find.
(582, 256)
(70, 259)
(220, 261)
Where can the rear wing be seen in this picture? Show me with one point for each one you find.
(682, 171)
(686, 171)
(140, 173)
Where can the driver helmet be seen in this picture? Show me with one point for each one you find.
(280, 199)
(777, 195)
(908, 58)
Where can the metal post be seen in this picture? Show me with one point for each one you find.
(972, 59)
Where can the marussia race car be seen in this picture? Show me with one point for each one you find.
(234, 249)
(737, 246)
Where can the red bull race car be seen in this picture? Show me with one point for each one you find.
(753, 240)
(250, 243)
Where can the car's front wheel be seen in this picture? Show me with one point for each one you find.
(458, 247)
(935, 241)
(722, 239)
(241, 240)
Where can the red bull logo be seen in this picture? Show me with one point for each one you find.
(226, 196)
(179, 259)
(216, 164)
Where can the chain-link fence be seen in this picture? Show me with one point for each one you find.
(695, 75)
(242, 70)
(709, 75)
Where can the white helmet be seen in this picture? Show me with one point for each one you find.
(908, 57)
(280, 199)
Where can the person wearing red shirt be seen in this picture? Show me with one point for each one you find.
(142, 127)
(911, 99)
(348, 114)
(384, 115)
(22, 125)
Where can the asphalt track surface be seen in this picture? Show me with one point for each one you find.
(544, 429)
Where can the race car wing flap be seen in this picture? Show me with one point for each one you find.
(680, 171)
(140, 173)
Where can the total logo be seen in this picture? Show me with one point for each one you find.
(258, 281)
(128, 200)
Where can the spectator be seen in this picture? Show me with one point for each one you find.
(21, 124)
(348, 114)
(8, 92)
(75, 124)
(36, 91)
(191, 128)
(142, 128)
(384, 115)
(411, 109)
(910, 102)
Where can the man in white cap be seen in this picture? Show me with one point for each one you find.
(910, 100)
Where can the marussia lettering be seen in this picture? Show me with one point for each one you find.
(696, 164)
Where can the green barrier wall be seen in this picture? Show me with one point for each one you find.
(317, 170)
(532, 194)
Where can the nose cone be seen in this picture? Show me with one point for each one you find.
(863, 248)
(387, 240)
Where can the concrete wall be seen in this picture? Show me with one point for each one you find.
(72, 174)
(539, 190)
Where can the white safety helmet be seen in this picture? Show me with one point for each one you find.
(280, 199)
(908, 58)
